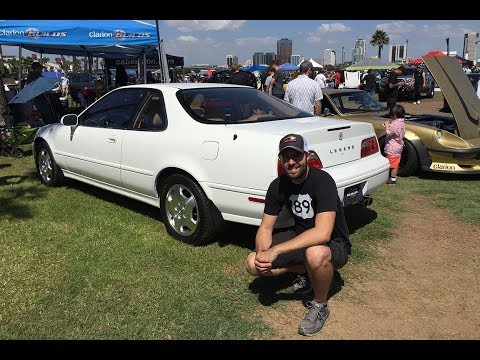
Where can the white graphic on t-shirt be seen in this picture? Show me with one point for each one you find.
(302, 206)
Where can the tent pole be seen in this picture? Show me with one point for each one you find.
(144, 67)
(164, 72)
(20, 66)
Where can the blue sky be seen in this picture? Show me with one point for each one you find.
(209, 41)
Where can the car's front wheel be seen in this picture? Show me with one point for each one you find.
(431, 91)
(186, 212)
(409, 160)
(47, 169)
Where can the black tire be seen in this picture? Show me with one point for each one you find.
(431, 92)
(186, 212)
(409, 160)
(48, 171)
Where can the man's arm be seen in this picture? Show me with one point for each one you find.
(263, 239)
(319, 234)
(318, 107)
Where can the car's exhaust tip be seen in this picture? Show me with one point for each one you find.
(367, 201)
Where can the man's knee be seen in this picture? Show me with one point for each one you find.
(317, 256)
(250, 264)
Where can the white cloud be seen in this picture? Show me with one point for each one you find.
(205, 25)
(187, 38)
(397, 28)
(334, 27)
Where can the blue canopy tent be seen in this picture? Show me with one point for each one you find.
(253, 68)
(288, 67)
(100, 38)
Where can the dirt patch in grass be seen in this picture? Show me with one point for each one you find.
(423, 284)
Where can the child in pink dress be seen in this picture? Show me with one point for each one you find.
(395, 129)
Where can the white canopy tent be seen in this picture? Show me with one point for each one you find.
(315, 64)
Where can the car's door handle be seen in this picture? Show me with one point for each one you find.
(112, 140)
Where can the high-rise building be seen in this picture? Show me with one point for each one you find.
(470, 46)
(231, 59)
(269, 57)
(284, 51)
(397, 54)
(296, 59)
(359, 50)
(329, 57)
(258, 58)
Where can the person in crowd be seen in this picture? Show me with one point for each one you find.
(393, 86)
(64, 85)
(277, 82)
(478, 89)
(35, 73)
(240, 77)
(321, 79)
(395, 131)
(263, 77)
(268, 80)
(150, 78)
(121, 77)
(42, 102)
(369, 82)
(317, 245)
(419, 84)
(337, 78)
(304, 92)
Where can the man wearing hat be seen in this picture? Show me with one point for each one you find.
(318, 242)
(304, 92)
(393, 86)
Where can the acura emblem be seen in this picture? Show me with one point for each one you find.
(340, 135)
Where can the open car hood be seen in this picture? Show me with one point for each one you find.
(459, 93)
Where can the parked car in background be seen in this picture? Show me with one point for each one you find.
(406, 91)
(194, 151)
(221, 77)
(439, 143)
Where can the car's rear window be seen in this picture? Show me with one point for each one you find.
(235, 105)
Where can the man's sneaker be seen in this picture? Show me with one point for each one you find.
(390, 181)
(414, 103)
(301, 284)
(418, 101)
(316, 317)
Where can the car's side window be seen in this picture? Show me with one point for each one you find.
(114, 110)
(152, 115)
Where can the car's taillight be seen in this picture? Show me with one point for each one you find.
(369, 146)
(313, 161)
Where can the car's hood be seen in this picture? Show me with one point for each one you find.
(458, 92)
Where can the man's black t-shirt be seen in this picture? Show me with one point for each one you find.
(393, 92)
(318, 193)
(241, 78)
(278, 89)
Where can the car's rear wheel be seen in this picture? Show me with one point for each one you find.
(49, 172)
(186, 211)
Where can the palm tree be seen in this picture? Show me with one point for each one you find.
(379, 38)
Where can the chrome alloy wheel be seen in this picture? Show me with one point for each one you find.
(181, 209)
(45, 165)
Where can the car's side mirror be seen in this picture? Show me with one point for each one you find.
(69, 120)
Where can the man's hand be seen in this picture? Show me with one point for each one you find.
(264, 259)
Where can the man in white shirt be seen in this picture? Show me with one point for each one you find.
(304, 92)
(321, 79)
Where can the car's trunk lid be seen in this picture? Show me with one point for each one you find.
(459, 93)
(335, 141)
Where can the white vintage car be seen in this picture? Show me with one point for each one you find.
(202, 152)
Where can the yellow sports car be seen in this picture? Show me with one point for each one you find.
(440, 143)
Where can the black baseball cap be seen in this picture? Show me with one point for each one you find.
(305, 66)
(293, 141)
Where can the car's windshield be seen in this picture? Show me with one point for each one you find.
(236, 105)
(349, 102)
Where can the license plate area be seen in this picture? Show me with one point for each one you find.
(353, 194)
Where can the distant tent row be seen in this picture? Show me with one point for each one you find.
(371, 63)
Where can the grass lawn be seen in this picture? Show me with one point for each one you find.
(78, 262)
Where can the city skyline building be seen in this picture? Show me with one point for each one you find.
(296, 59)
(329, 57)
(231, 59)
(359, 50)
(397, 53)
(284, 50)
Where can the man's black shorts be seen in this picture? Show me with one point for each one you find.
(339, 248)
